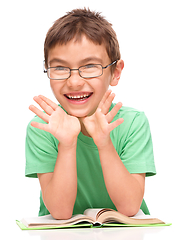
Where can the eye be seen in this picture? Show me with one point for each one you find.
(90, 66)
(60, 68)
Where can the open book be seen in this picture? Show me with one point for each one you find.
(91, 217)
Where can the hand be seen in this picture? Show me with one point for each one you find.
(99, 124)
(61, 125)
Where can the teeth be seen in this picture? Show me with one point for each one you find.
(77, 97)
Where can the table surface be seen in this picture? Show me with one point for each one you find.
(137, 233)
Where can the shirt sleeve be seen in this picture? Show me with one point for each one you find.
(137, 151)
(41, 151)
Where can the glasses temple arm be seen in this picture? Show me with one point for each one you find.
(44, 69)
(110, 64)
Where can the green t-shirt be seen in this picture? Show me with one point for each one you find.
(132, 141)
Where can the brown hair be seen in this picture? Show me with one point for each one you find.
(83, 21)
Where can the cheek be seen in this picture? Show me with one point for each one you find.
(54, 91)
(55, 86)
(52, 85)
(104, 84)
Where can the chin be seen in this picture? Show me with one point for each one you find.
(80, 114)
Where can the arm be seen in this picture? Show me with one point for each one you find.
(59, 188)
(126, 190)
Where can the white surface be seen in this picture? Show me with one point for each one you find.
(146, 32)
(153, 233)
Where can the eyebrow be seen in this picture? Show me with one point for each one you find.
(92, 59)
(58, 60)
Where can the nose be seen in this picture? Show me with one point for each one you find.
(75, 81)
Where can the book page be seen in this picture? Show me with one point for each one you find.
(141, 215)
(49, 220)
(92, 212)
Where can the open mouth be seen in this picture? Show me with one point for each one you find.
(78, 97)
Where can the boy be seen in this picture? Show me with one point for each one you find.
(87, 152)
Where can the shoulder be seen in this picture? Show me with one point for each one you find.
(38, 136)
(41, 149)
(130, 114)
(135, 123)
(133, 142)
(36, 119)
(31, 130)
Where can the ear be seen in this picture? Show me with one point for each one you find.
(117, 73)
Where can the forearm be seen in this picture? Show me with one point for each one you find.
(60, 193)
(124, 190)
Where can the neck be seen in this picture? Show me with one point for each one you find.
(83, 129)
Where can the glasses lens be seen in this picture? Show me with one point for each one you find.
(58, 73)
(90, 71)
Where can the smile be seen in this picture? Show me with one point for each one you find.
(78, 97)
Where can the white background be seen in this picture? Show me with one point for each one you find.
(146, 31)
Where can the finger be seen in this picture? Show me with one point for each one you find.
(49, 102)
(46, 107)
(110, 116)
(40, 126)
(104, 98)
(101, 119)
(115, 124)
(107, 104)
(39, 113)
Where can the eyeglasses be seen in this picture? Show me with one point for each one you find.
(87, 71)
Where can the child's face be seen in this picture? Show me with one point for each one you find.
(68, 92)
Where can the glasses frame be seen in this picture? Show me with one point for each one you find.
(78, 69)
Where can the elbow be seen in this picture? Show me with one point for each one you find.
(129, 211)
(61, 214)
(59, 211)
